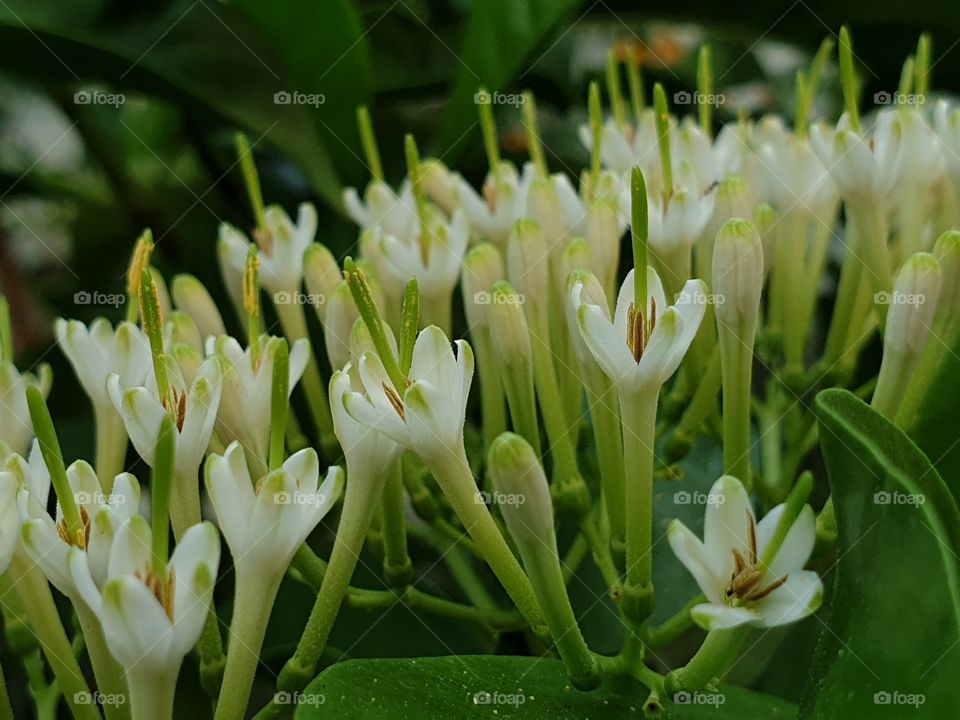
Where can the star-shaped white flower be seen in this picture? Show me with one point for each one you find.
(427, 416)
(858, 164)
(389, 212)
(368, 453)
(504, 201)
(16, 429)
(265, 522)
(639, 351)
(16, 473)
(727, 565)
(435, 264)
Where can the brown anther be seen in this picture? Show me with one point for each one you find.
(490, 194)
(264, 240)
(639, 330)
(745, 580)
(162, 588)
(394, 399)
(177, 404)
(83, 536)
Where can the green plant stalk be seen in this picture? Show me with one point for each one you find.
(605, 416)
(491, 390)
(359, 504)
(736, 368)
(817, 257)
(673, 627)
(930, 360)
(891, 389)
(34, 592)
(151, 697)
(871, 242)
(397, 566)
(848, 288)
(213, 662)
(109, 674)
(638, 413)
(551, 404)
(184, 503)
(794, 225)
(294, 324)
(717, 654)
(702, 403)
(600, 551)
(254, 598)
(452, 472)
(773, 481)
(111, 444)
(518, 384)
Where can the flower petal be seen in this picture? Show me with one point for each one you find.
(799, 596)
(711, 616)
(797, 545)
(691, 552)
(725, 524)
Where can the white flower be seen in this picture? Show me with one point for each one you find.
(674, 225)
(641, 350)
(436, 265)
(428, 415)
(504, 201)
(384, 210)
(16, 429)
(194, 412)
(47, 539)
(98, 350)
(621, 148)
(281, 249)
(151, 622)
(947, 124)
(16, 473)
(726, 565)
(368, 453)
(796, 177)
(861, 165)
(244, 413)
(265, 523)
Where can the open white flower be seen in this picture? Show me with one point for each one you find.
(48, 540)
(194, 411)
(265, 523)
(16, 473)
(392, 213)
(624, 146)
(427, 416)
(368, 453)
(244, 413)
(435, 264)
(641, 350)
(281, 249)
(727, 566)
(504, 201)
(861, 165)
(677, 222)
(150, 621)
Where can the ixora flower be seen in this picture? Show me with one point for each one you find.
(265, 522)
(194, 411)
(742, 586)
(427, 416)
(504, 201)
(282, 246)
(151, 619)
(244, 413)
(48, 540)
(392, 213)
(641, 350)
(16, 430)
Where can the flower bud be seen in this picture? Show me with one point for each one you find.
(604, 231)
(439, 184)
(180, 329)
(338, 323)
(523, 496)
(545, 208)
(321, 275)
(912, 305)
(947, 252)
(738, 276)
(190, 295)
(482, 267)
(765, 220)
(528, 270)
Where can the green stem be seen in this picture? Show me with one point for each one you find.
(397, 566)
(6, 711)
(452, 472)
(737, 369)
(848, 288)
(605, 415)
(111, 447)
(294, 324)
(108, 672)
(254, 600)
(184, 502)
(698, 410)
(34, 592)
(673, 627)
(717, 654)
(638, 412)
(151, 696)
(794, 225)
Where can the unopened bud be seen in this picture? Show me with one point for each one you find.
(321, 275)
(528, 269)
(192, 297)
(482, 267)
(338, 324)
(738, 276)
(945, 318)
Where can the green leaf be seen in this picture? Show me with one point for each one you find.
(892, 638)
(499, 686)
(520, 25)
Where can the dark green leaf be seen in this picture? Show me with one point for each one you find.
(892, 639)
